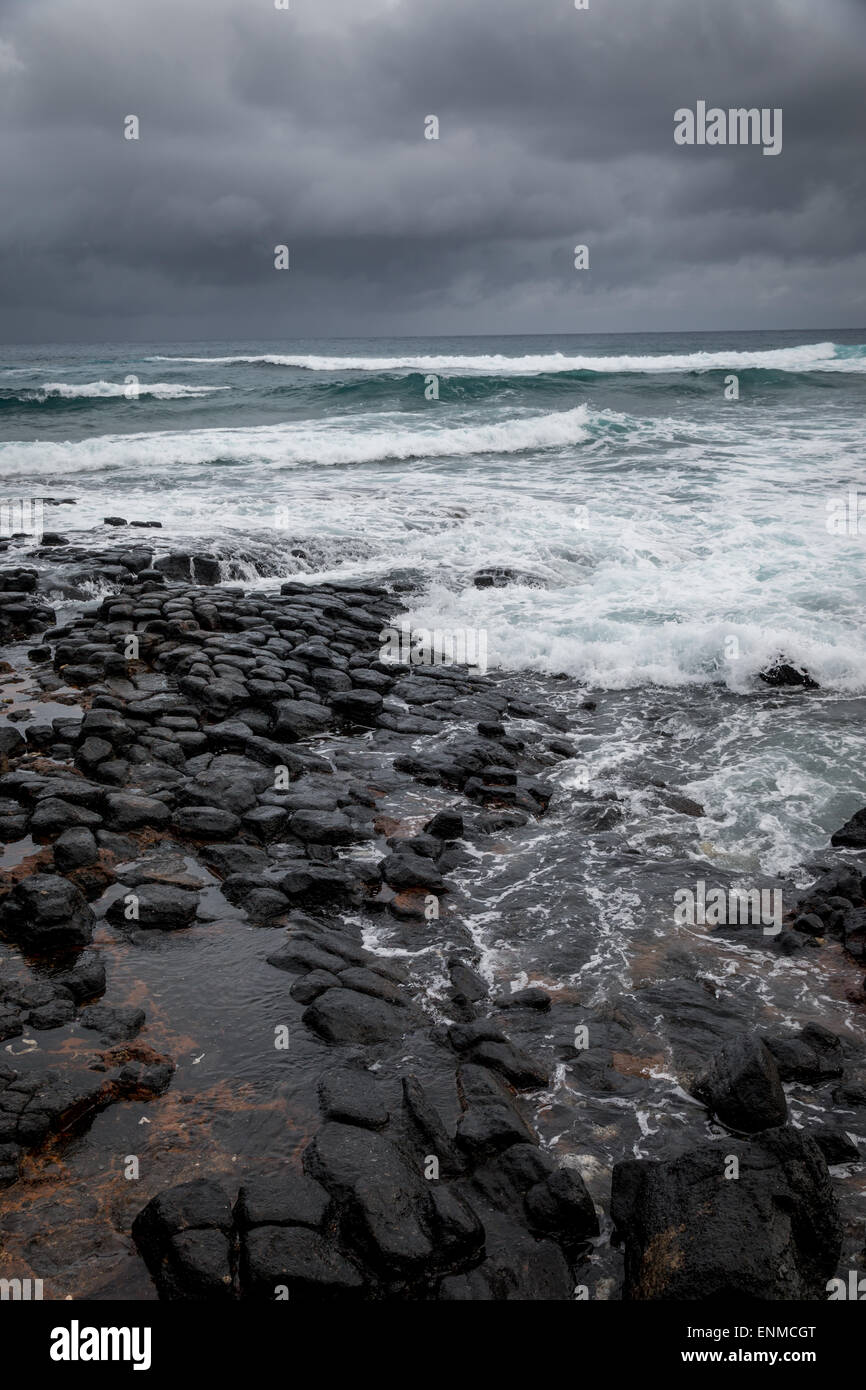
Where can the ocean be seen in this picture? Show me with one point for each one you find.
(665, 537)
(667, 515)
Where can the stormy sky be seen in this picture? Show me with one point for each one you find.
(262, 126)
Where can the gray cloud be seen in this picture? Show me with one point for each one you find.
(261, 126)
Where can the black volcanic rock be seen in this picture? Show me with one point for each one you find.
(46, 911)
(773, 1233)
(742, 1087)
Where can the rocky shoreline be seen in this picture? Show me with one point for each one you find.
(223, 758)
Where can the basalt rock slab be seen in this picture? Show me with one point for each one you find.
(350, 1095)
(297, 1263)
(286, 1199)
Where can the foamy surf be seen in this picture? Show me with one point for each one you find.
(98, 390)
(825, 357)
(293, 445)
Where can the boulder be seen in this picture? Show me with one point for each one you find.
(445, 825)
(781, 674)
(297, 719)
(126, 811)
(205, 822)
(814, 1055)
(853, 833)
(46, 911)
(691, 1233)
(345, 1016)
(184, 1235)
(158, 906)
(75, 848)
(741, 1086)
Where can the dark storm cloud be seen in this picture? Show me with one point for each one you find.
(261, 126)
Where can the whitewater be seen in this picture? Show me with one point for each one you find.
(646, 524)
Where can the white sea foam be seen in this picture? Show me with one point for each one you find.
(98, 390)
(307, 442)
(825, 357)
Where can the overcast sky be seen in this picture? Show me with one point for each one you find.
(261, 126)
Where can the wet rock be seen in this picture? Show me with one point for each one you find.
(782, 674)
(424, 845)
(445, 825)
(561, 1207)
(267, 823)
(466, 984)
(75, 848)
(53, 816)
(851, 1095)
(233, 859)
(107, 725)
(813, 1056)
(183, 1236)
(382, 1201)
(205, 822)
(11, 1026)
(345, 1016)
(126, 811)
(408, 870)
(425, 1121)
(9, 1156)
(519, 1069)
(742, 1088)
(323, 827)
(518, 1268)
(373, 983)
(464, 1036)
(308, 987)
(499, 576)
(836, 1145)
(299, 956)
(297, 719)
(357, 706)
(316, 885)
(531, 998)
(388, 1211)
(853, 832)
(114, 1024)
(44, 912)
(287, 1199)
(12, 743)
(85, 980)
(195, 568)
(231, 783)
(489, 1123)
(296, 1262)
(351, 1096)
(773, 1234)
(159, 907)
(54, 1014)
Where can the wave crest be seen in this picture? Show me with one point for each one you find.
(826, 357)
